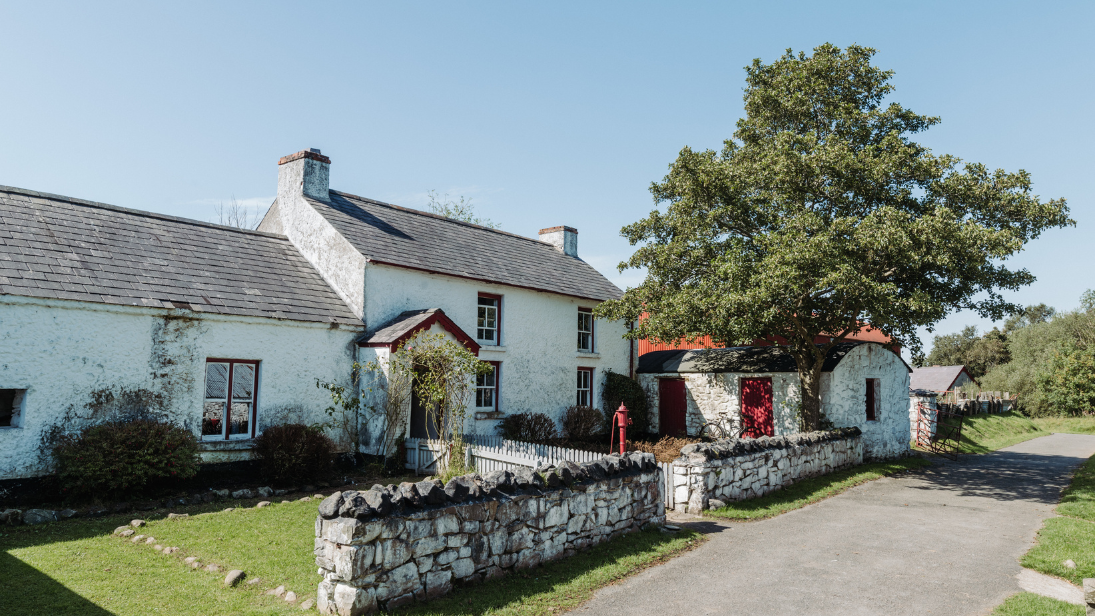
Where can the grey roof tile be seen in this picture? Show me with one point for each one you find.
(409, 238)
(59, 247)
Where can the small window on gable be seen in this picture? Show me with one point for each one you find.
(585, 330)
(872, 399)
(585, 387)
(11, 400)
(486, 388)
(488, 324)
(230, 392)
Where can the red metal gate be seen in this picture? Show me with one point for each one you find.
(938, 430)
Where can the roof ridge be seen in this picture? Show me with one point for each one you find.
(136, 212)
(444, 218)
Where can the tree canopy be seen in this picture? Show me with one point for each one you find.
(821, 216)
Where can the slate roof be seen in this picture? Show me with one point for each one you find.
(408, 322)
(403, 237)
(935, 378)
(744, 359)
(59, 247)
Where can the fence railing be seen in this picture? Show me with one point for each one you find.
(493, 453)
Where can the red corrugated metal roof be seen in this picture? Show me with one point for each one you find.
(867, 335)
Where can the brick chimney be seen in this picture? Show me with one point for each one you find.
(564, 239)
(307, 172)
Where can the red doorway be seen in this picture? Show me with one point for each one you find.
(672, 407)
(756, 407)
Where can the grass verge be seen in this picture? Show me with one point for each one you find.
(985, 433)
(812, 490)
(564, 584)
(1071, 536)
(1030, 604)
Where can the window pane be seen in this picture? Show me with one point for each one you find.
(213, 418)
(241, 418)
(243, 381)
(216, 381)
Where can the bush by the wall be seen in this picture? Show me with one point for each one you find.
(621, 388)
(293, 453)
(527, 427)
(582, 423)
(119, 458)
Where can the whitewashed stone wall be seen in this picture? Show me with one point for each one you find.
(81, 362)
(737, 469)
(538, 353)
(711, 396)
(844, 399)
(388, 547)
(928, 399)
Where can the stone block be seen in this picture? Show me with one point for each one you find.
(557, 515)
(428, 545)
(401, 580)
(446, 557)
(438, 583)
(447, 524)
(347, 601)
(463, 568)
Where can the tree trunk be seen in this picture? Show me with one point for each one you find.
(809, 373)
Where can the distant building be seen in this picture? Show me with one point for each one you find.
(939, 378)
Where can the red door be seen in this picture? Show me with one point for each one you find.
(756, 407)
(671, 407)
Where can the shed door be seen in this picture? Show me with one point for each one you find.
(756, 407)
(671, 407)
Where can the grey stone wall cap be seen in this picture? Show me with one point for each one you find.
(698, 453)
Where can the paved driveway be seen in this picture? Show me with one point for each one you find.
(944, 540)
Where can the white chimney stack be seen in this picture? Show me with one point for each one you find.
(307, 172)
(564, 239)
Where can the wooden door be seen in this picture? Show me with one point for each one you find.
(756, 407)
(672, 407)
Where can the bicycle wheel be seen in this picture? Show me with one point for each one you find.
(712, 431)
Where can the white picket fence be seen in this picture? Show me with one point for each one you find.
(493, 453)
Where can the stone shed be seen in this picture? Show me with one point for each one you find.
(863, 384)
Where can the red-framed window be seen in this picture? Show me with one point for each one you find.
(231, 397)
(585, 387)
(488, 387)
(488, 322)
(585, 330)
(873, 386)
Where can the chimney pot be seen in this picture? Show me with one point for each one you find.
(564, 239)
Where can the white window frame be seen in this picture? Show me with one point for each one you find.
(585, 317)
(229, 399)
(584, 386)
(482, 316)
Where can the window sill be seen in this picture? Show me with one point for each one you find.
(237, 444)
(3, 428)
(588, 355)
(495, 349)
(489, 415)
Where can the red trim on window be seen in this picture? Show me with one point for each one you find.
(591, 383)
(497, 383)
(441, 319)
(498, 318)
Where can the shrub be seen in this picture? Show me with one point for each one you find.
(582, 423)
(620, 388)
(527, 427)
(293, 453)
(124, 457)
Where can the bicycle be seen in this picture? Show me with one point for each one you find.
(726, 426)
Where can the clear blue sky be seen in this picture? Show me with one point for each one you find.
(542, 113)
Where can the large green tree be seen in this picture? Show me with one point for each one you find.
(820, 216)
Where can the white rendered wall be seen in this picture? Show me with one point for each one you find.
(70, 354)
(844, 399)
(710, 397)
(539, 336)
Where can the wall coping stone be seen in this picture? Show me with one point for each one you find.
(698, 453)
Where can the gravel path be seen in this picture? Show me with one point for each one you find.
(944, 540)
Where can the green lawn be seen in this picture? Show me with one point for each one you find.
(78, 567)
(1030, 604)
(985, 433)
(1071, 536)
(811, 490)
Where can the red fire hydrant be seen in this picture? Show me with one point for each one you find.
(620, 419)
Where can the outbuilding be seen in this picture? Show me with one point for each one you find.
(757, 388)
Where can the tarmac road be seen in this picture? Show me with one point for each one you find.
(943, 540)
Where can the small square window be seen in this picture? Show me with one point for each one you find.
(11, 402)
(488, 324)
(486, 389)
(585, 330)
(585, 387)
(224, 416)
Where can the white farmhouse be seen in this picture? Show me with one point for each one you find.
(757, 389)
(108, 312)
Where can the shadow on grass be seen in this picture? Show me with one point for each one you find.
(565, 583)
(813, 490)
(25, 586)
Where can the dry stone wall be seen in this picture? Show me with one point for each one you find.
(390, 546)
(737, 469)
